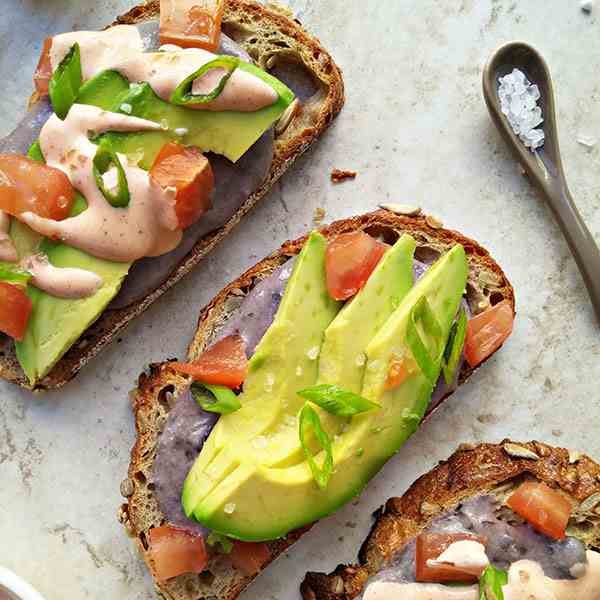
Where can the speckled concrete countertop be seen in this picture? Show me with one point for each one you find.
(416, 129)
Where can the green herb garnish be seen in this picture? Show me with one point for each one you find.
(215, 398)
(105, 157)
(454, 347)
(10, 273)
(422, 313)
(491, 582)
(183, 92)
(309, 419)
(337, 401)
(65, 82)
(215, 538)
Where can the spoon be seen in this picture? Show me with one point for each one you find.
(544, 166)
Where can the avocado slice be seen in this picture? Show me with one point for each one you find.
(342, 356)
(285, 361)
(255, 502)
(55, 323)
(230, 133)
(342, 359)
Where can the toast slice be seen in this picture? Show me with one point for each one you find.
(504, 466)
(277, 43)
(159, 386)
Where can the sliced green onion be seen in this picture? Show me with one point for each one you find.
(215, 538)
(454, 347)
(491, 582)
(10, 273)
(183, 92)
(105, 157)
(422, 312)
(65, 82)
(337, 401)
(215, 398)
(309, 419)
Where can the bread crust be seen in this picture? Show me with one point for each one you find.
(309, 124)
(470, 471)
(151, 402)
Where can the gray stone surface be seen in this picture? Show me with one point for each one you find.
(416, 128)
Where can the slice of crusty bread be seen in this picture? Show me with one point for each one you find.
(158, 388)
(274, 41)
(472, 470)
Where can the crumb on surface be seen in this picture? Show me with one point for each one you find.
(338, 175)
(318, 215)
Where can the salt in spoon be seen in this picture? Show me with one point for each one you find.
(544, 166)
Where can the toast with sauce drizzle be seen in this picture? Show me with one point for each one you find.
(277, 43)
(159, 387)
(473, 471)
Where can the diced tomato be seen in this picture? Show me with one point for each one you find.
(29, 186)
(187, 170)
(545, 509)
(349, 261)
(487, 331)
(225, 363)
(191, 23)
(399, 371)
(43, 72)
(249, 557)
(174, 551)
(15, 308)
(430, 546)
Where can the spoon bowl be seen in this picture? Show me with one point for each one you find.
(544, 165)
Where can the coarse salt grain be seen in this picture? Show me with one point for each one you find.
(126, 108)
(229, 508)
(519, 103)
(313, 353)
(181, 131)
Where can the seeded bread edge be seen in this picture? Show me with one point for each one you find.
(472, 470)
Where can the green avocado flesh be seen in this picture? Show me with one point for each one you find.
(55, 324)
(229, 133)
(261, 491)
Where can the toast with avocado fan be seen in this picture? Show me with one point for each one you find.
(474, 492)
(159, 387)
(277, 43)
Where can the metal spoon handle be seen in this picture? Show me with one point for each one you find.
(578, 236)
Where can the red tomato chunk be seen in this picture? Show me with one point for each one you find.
(224, 363)
(487, 331)
(349, 261)
(547, 510)
(15, 308)
(174, 551)
(29, 186)
(249, 557)
(187, 170)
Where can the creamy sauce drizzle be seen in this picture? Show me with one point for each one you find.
(61, 282)
(526, 581)
(467, 555)
(120, 48)
(387, 590)
(8, 252)
(100, 50)
(147, 227)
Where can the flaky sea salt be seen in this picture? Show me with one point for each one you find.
(229, 508)
(313, 353)
(519, 103)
